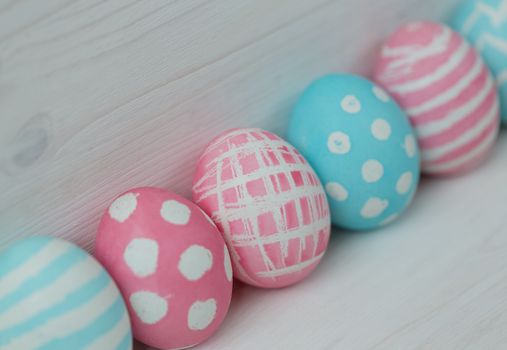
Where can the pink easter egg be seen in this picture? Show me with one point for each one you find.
(171, 265)
(268, 203)
(447, 91)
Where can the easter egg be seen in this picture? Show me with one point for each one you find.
(484, 23)
(268, 203)
(171, 265)
(447, 91)
(361, 145)
(55, 296)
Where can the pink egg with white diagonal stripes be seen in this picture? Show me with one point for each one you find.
(447, 91)
(170, 263)
(268, 203)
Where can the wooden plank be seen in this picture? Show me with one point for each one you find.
(97, 97)
(436, 279)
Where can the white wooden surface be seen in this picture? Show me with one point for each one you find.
(97, 97)
(435, 280)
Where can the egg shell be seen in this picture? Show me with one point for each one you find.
(268, 203)
(361, 145)
(484, 24)
(447, 91)
(171, 264)
(53, 295)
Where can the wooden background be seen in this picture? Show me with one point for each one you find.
(99, 96)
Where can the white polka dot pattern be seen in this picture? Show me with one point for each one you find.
(359, 149)
(201, 314)
(123, 207)
(195, 262)
(337, 191)
(166, 255)
(141, 256)
(372, 170)
(148, 306)
(381, 129)
(404, 183)
(175, 212)
(338, 142)
(351, 104)
(374, 207)
(410, 146)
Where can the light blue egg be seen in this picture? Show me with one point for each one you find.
(55, 296)
(361, 145)
(484, 24)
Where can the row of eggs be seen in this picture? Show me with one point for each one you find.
(262, 212)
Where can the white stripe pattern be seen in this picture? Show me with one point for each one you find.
(414, 53)
(31, 267)
(502, 78)
(52, 294)
(257, 175)
(237, 210)
(466, 137)
(291, 269)
(450, 99)
(489, 39)
(306, 231)
(67, 323)
(440, 73)
(116, 333)
(449, 94)
(226, 228)
(458, 114)
(476, 153)
(496, 15)
(233, 152)
(272, 193)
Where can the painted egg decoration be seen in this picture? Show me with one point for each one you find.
(361, 145)
(171, 265)
(447, 91)
(268, 203)
(484, 23)
(53, 295)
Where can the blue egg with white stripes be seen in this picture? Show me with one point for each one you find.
(362, 147)
(484, 24)
(55, 296)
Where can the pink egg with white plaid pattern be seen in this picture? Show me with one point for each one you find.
(171, 266)
(447, 91)
(268, 203)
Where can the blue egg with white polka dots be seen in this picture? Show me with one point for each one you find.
(361, 145)
(484, 24)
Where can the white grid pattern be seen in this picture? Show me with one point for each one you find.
(269, 152)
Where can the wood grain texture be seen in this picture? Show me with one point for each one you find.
(100, 96)
(434, 280)
(97, 97)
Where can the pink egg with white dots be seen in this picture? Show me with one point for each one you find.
(170, 263)
(447, 91)
(268, 203)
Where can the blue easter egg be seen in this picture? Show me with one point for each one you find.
(361, 145)
(484, 24)
(55, 296)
